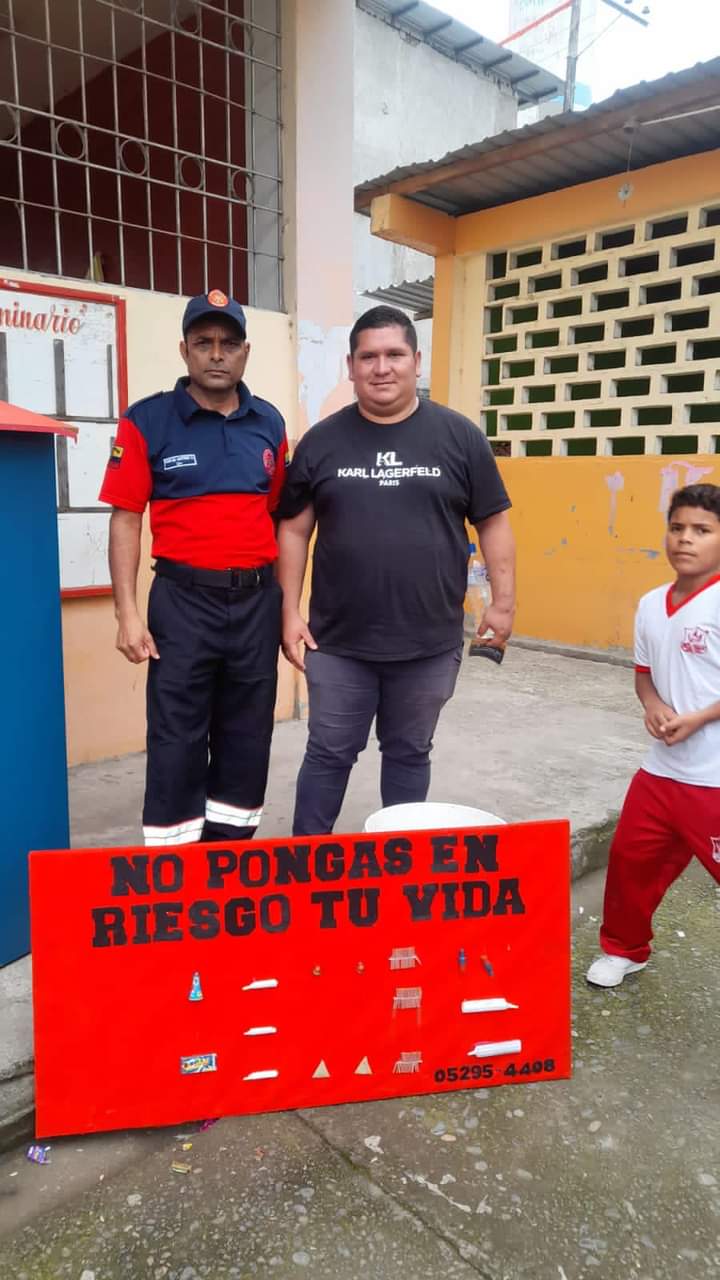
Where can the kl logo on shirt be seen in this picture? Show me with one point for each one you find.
(389, 470)
(715, 841)
(694, 640)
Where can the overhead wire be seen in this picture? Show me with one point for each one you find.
(600, 34)
(561, 47)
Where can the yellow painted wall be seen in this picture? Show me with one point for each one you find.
(590, 540)
(592, 204)
(458, 311)
(589, 530)
(105, 694)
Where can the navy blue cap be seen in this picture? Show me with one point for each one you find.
(215, 304)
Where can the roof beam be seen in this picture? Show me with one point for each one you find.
(439, 26)
(529, 75)
(409, 223)
(582, 126)
(469, 44)
(497, 62)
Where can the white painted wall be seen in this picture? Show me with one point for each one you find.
(411, 104)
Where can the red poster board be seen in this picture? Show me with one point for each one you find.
(209, 980)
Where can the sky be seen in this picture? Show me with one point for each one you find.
(681, 33)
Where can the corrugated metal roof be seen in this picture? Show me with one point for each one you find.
(653, 121)
(462, 44)
(413, 295)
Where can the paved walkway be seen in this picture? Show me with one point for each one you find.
(612, 1174)
(542, 736)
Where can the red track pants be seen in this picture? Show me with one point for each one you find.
(662, 825)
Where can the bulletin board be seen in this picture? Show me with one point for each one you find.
(63, 354)
(210, 980)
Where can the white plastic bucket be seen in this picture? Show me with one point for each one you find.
(430, 816)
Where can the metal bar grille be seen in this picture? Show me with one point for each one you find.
(140, 143)
(150, 75)
(7, 24)
(235, 20)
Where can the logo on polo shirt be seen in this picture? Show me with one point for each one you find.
(694, 640)
(715, 841)
(179, 460)
(389, 471)
(217, 298)
(116, 454)
(269, 461)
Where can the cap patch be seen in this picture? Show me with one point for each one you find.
(217, 298)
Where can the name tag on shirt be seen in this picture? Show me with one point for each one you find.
(179, 460)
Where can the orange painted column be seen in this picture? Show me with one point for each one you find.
(442, 331)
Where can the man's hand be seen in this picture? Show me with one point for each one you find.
(134, 640)
(657, 717)
(295, 633)
(498, 619)
(678, 728)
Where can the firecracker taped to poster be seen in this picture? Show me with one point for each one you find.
(229, 979)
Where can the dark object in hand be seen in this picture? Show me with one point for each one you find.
(480, 649)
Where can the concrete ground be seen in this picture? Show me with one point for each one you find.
(542, 736)
(613, 1173)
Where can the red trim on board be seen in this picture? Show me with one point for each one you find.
(122, 369)
(56, 291)
(81, 593)
(673, 608)
(121, 377)
(88, 295)
(642, 671)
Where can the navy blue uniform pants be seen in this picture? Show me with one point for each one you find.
(345, 696)
(210, 707)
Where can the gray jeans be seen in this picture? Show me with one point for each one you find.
(346, 695)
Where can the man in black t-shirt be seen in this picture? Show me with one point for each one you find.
(389, 482)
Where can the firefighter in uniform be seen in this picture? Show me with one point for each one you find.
(209, 457)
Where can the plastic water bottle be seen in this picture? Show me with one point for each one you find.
(478, 595)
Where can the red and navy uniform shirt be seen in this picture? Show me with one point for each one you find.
(211, 481)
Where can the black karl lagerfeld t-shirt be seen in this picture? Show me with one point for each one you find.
(390, 561)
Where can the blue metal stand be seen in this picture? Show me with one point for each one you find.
(33, 763)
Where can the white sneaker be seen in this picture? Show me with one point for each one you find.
(609, 971)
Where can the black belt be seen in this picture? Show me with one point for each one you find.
(230, 579)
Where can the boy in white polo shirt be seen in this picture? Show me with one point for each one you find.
(672, 809)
